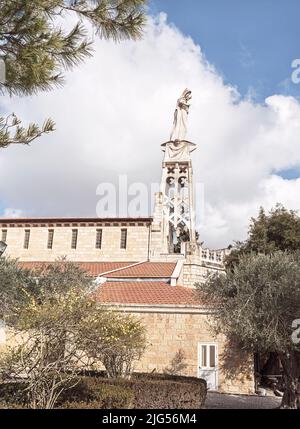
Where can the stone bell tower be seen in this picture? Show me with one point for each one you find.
(173, 234)
(177, 195)
(174, 215)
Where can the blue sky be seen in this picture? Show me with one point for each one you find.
(252, 43)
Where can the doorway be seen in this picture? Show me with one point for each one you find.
(208, 364)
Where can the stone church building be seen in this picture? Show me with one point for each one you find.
(147, 267)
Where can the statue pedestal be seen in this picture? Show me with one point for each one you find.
(178, 150)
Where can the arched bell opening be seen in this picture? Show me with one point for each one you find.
(171, 187)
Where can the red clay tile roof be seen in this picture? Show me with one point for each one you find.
(146, 293)
(130, 292)
(92, 268)
(144, 270)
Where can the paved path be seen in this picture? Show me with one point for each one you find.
(221, 401)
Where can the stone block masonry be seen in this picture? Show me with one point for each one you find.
(172, 330)
(137, 240)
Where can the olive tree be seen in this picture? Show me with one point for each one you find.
(14, 281)
(255, 305)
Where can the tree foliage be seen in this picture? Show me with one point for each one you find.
(277, 230)
(37, 46)
(18, 285)
(43, 349)
(56, 327)
(117, 340)
(255, 306)
(58, 278)
(21, 135)
(41, 321)
(13, 282)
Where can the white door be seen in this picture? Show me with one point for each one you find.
(208, 364)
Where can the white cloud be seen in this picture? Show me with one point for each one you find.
(116, 110)
(12, 213)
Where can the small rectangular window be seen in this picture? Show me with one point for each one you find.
(26, 238)
(50, 238)
(212, 356)
(74, 238)
(4, 235)
(2, 332)
(204, 356)
(123, 238)
(98, 238)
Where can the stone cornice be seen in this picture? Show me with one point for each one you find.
(146, 308)
(73, 222)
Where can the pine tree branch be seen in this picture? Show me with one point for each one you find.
(11, 131)
(36, 52)
(117, 20)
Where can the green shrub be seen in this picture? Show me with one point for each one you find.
(142, 391)
(91, 392)
(11, 406)
(81, 405)
(160, 391)
(168, 395)
(12, 395)
(115, 339)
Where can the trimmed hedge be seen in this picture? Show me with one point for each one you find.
(159, 391)
(91, 392)
(12, 395)
(142, 391)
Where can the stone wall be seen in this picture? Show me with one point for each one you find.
(137, 244)
(195, 270)
(193, 273)
(168, 332)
